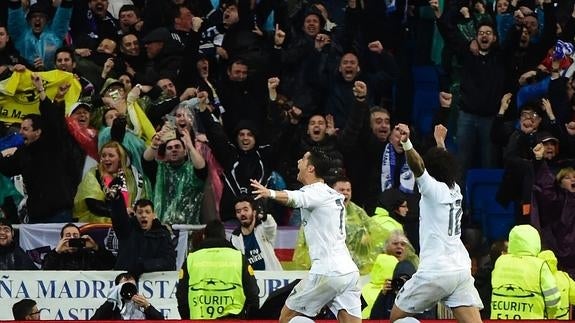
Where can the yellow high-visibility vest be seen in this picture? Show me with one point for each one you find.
(215, 283)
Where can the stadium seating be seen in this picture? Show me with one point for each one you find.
(425, 98)
(481, 186)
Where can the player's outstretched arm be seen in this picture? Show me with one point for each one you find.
(414, 160)
(259, 191)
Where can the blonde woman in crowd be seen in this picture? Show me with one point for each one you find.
(113, 169)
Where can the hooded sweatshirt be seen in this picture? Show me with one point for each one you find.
(565, 284)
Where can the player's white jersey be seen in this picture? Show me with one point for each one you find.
(440, 211)
(323, 220)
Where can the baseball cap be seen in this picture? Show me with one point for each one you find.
(80, 104)
(38, 8)
(545, 136)
(109, 82)
(157, 35)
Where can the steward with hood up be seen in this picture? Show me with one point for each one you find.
(523, 286)
(565, 284)
(216, 263)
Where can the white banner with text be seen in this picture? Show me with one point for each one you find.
(75, 295)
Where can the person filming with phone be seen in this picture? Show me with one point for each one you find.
(78, 252)
(125, 303)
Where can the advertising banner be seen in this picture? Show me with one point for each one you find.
(75, 295)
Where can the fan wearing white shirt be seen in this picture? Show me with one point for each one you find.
(333, 276)
(444, 272)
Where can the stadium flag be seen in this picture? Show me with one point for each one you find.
(147, 130)
(18, 96)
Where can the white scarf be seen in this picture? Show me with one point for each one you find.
(128, 309)
(131, 311)
(406, 177)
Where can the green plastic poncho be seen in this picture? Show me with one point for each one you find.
(7, 189)
(178, 194)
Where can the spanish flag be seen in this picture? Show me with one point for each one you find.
(18, 96)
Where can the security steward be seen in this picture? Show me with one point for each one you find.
(216, 280)
(523, 286)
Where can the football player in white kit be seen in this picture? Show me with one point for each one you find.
(444, 272)
(333, 276)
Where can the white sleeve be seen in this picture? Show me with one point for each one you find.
(306, 197)
(429, 186)
(237, 242)
(270, 228)
(425, 183)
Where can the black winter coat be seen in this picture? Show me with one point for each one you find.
(82, 260)
(12, 257)
(107, 312)
(239, 166)
(44, 164)
(141, 251)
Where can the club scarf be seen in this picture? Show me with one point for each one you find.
(388, 167)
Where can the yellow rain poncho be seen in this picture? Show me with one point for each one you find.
(365, 240)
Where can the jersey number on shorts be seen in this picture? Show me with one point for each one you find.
(455, 213)
(341, 214)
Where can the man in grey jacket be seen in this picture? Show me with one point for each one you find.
(255, 237)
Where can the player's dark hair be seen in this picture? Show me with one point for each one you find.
(320, 161)
(442, 165)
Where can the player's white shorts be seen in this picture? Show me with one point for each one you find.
(311, 294)
(425, 289)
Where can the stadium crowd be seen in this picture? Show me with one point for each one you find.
(175, 106)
